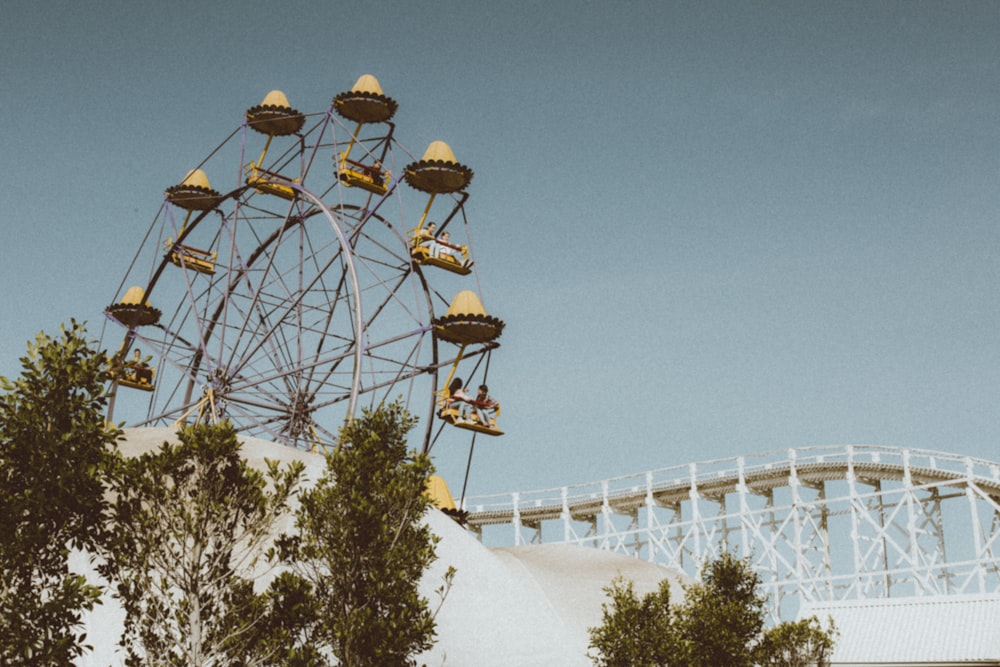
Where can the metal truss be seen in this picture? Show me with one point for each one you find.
(818, 524)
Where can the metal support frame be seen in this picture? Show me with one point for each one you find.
(822, 523)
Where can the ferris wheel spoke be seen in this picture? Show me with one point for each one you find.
(331, 341)
(388, 381)
(244, 281)
(407, 367)
(255, 379)
(404, 371)
(282, 309)
(235, 292)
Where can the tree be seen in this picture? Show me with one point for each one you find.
(635, 633)
(722, 617)
(362, 547)
(720, 622)
(54, 446)
(191, 522)
(801, 643)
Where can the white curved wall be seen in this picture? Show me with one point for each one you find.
(526, 606)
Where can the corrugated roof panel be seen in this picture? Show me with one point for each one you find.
(947, 629)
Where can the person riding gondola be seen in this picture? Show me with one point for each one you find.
(461, 409)
(458, 399)
(140, 367)
(425, 236)
(485, 407)
(445, 249)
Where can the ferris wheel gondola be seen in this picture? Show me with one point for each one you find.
(195, 195)
(274, 117)
(467, 323)
(438, 172)
(364, 103)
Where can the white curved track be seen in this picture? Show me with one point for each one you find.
(819, 523)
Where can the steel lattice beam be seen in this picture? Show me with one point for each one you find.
(823, 523)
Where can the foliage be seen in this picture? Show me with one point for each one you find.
(54, 445)
(722, 617)
(190, 522)
(720, 622)
(635, 633)
(798, 644)
(362, 547)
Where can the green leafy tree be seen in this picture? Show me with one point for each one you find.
(54, 446)
(191, 522)
(722, 617)
(293, 616)
(720, 622)
(362, 546)
(802, 643)
(635, 632)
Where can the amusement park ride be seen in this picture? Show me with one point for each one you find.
(297, 296)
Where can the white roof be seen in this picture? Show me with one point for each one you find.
(938, 630)
(529, 606)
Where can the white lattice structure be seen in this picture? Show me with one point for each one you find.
(819, 523)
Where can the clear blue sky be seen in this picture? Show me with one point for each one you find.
(713, 228)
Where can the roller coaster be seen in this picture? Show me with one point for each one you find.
(817, 523)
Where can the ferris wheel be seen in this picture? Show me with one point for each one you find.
(301, 294)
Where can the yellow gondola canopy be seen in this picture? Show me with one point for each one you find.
(274, 116)
(365, 103)
(194, 193)
(438, 172)
(133, 310)
(438, 493)
(466, 322)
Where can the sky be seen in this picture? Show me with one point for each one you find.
(712, 228)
